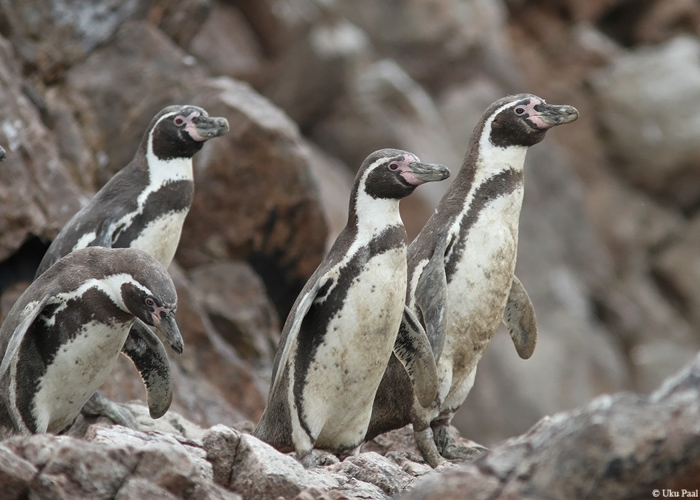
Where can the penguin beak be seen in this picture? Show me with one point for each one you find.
(550, 115)
(165, 324)
(418, 173)
(203, 128)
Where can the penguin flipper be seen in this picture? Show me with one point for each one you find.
(431, 298)
(147, 353)
(519, 318)
(290, 339)
(412, 348)
(20, 331)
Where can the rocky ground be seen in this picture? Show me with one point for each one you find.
(608, 242)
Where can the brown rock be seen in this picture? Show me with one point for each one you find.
(37, 193)
(235, 301)
(16, 475)
(52, 36)
(181, 20)
(148, 72)
(227, 45)
(254, 197)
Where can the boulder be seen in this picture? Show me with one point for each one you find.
(654, 145)
(620, 446)
(235, 301)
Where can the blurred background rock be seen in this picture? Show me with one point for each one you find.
(610, 228)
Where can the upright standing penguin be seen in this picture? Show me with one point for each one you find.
(63, 335)
(340, 333)
(143, 206)
(461, 281)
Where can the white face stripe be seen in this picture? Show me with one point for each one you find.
(160, 172)
(111, 286)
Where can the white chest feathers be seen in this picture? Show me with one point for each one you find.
(79, 368)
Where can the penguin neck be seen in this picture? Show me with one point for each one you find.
(370, 216)
(162, 171)
(483, 161)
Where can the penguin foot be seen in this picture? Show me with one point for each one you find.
(426, 445)
(100, 406)
(456, 453)
(449, 449)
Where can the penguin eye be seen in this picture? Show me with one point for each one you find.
(519, 110)
(393, 166)
(179, 121)
(150, 302)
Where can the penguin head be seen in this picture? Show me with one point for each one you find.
(181, 131)
(150, 295)
(523, 120)
(392, 173)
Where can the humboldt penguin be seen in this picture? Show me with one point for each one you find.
(61, 338)
(143, 206)
(461, 281)
(343, 327)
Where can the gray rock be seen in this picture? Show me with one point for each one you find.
(619, 446)
(655, 143)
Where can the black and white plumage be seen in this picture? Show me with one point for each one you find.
(461, 281)
(340, 333)
(144, 205)
(3, 154)
(63, 335)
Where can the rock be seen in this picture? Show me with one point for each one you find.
(617, 447)
(227, 45)
(181, 20)
(235, 301)
(16, 474)
(438, 42)
(677, 267)
(254, 197)
(113, 462)
(114, 121)
(37, 194)
(319, 66)
(52, 36)
(655, 144)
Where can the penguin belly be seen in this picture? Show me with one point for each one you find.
(349, 364)
(478, 292)
(160, 237)
(78, 369)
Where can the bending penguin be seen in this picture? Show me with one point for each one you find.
(143, 206)
(340, 333)
(63, 335)
(461, 281)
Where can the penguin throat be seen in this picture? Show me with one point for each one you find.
(374, 215)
